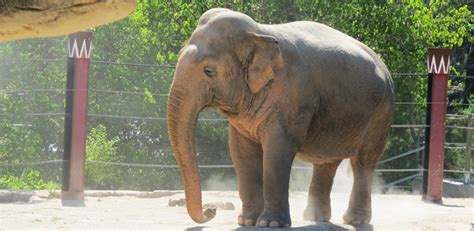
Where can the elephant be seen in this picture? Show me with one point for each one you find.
(299, 90)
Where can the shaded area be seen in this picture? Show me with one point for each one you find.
(22, 19)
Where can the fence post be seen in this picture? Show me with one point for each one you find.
(438, 65)
(75, 124)
(467, 160)
(426, 154)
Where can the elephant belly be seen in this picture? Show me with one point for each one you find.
(323, 155)
(328, 143)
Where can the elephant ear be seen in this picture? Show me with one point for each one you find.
(264, 61)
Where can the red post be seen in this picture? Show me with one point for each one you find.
(438, 65)
(75, 129)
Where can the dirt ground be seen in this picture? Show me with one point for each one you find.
(150, 210)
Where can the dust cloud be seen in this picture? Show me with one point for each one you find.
(343, 179)
(301, 178)
(220, 183)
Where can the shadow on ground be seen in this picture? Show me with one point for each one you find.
(73, 203)
(323, 226)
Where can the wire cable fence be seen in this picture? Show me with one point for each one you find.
(26, 92)
(157, 65)
(98, 114)
(200, 119)
(201, 166)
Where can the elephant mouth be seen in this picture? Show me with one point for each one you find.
(228, 112)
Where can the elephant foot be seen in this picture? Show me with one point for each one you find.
(317, 214)
(246, 221)
(248, 216)
(357, 216)
(274, 219)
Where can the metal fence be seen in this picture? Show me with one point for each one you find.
(454, 122)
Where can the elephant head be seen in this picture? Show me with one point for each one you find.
(227, 61)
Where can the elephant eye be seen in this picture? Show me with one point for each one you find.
(209, 72)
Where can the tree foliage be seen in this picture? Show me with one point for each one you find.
(400, 31)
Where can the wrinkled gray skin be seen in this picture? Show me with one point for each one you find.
(298, 90)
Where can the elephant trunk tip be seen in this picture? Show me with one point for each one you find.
(207, 215)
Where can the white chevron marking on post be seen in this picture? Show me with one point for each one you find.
(74, 51)
(86, 51)
(74, 48)
(444, 67)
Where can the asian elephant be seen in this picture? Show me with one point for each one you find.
(298, 90)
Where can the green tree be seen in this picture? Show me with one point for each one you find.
(127, 103)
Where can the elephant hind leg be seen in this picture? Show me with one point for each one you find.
(360, 208)
(363, 167)
(319, 202)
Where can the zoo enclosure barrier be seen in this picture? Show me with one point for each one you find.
(74, 165)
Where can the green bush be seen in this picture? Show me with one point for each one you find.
(100, 148)
(29, 179)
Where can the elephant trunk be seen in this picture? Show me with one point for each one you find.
(183, 110)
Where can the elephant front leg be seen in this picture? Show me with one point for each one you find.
(319, 202)
(247, 158)
(277, 160)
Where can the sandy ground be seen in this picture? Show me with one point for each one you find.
(139, 210)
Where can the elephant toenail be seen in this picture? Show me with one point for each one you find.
(249, 222)
(262, 223)
(356, 222)
(241, 220)
(274, 224)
